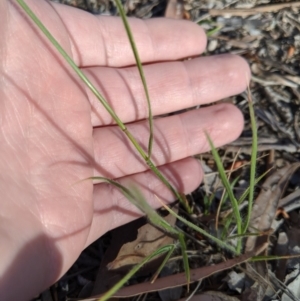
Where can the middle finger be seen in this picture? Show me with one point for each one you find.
(175, 137)
(172, 86)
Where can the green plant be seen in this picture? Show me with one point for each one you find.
(133, 194)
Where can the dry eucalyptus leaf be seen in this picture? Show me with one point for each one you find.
(212, 296)
(266, 204)
(293, 285)
(148, 240)
(172, 293)
(263, 218)
(179, 279)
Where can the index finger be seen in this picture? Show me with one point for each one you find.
(102, 41)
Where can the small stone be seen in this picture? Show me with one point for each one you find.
(212, 45)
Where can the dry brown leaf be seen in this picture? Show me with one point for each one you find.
(262, 217)
(180, 279)
(148, 240)
(212, 296)
(266, 204)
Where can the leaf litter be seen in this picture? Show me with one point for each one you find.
(267, 34)
(148, 240)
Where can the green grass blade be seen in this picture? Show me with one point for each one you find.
(103, 102)
(137, 199)
(253, 163)
(273, 257)
(141, 71)
(219, 242)
(185, 260)
(227, 186)
(71, 62)
(227, 224)
(232, 185)
(248, 234)
(123, 281)
(153, 217)
(241, 200)
(211, 32)
(225, 195)
(166, 259)
(247, 191)
(178, 195)
(207, 202)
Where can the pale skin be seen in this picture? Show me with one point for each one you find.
(54, 132)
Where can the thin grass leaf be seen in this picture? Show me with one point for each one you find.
(153, 216)
(232, 185)
(226, 184)
(219, 242)
(211, 32)
(141, 71)
(227, 224)
(225, 194)
(137, 199)
(103, 102)
(185, 259)
(129, 275)
(253, 162)
(247, 191)
(247, 234)
(223, 200)
(207, 202)
(166, 259)
(273, 257)
(240, 201)
(69, 60)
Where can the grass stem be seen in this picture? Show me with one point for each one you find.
(253, 162)
(103, 101)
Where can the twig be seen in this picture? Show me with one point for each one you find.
(252, 11)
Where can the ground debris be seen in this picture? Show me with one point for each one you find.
(267, 34)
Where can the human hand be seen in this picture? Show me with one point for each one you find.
(54, 132)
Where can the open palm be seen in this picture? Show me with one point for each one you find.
(54, 132)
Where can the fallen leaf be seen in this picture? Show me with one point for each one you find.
(105, 278)
(266, 204)
(293, 286)
(180, 279)
(148, 240)
(262, 217)
(211, 296)
(173, 293)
